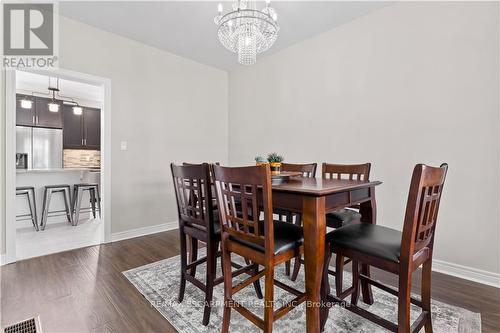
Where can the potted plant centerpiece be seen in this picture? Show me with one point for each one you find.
(275, 162)
(259, 160)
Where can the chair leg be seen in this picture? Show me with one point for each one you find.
(210, 278)
(98, 197)
(67, 204)
(339, 274)
(325, 288)
(228, 286)
(73, 199)
(404, 301)
(296, 268)
(78, 204)
(92, 200)
(32, 205)
(183, 256)
(288, 219)
(35, 210)
(426, 293)
(297, 263)
(355, 282)
(193, 253)
(269, 299)
(46, 204)
(256, 284)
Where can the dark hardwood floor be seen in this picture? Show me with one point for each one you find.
(84, 291)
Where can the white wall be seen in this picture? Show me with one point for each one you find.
(409, 83)
(166, 107)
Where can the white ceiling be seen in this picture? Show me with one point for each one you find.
(186, 28)
(83, 93)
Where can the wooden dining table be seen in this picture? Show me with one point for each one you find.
(313, 198)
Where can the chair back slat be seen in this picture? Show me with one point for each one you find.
(422, 208)
(308, 170)
(241, 195)
(346, 171)
(193, 193)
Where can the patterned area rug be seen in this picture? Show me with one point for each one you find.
(159, 283)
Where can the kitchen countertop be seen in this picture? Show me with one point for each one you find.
(57, 170)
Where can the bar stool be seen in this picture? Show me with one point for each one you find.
(78, 189)
(29, 192)
(47, 195)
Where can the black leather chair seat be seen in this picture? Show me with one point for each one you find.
(342, 217)
(286, 236)
(374, 240)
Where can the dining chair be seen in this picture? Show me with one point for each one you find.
(341, 217)
(349, 172)
(308, 170)
(263, 241)
(198, 220)
(192, 242)
(397, 252)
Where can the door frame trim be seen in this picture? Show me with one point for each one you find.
(10, 148)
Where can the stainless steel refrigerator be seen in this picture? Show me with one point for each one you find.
(44, 146)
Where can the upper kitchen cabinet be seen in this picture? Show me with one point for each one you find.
(82, 131)
(45, 117)
(92, 128)
(25, 117)
(38, 115)
(72, 128)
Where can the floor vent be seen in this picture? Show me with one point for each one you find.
(26, 326)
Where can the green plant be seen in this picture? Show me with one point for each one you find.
(259, 159)
(275, 158)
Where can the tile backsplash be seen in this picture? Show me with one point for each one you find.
(81, 158)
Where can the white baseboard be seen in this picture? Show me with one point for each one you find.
(467, 273)
(118, 236)
(2, 259)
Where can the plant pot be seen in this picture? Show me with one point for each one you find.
(260, 163)
(275, 168)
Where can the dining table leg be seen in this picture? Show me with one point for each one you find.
(368, 210)
(313, 219)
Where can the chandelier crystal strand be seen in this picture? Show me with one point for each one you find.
(246, 30)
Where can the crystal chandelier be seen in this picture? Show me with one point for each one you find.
(246, 30)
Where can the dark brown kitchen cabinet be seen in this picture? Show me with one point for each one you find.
(45, 117)
(92, 128)
(82, 131)
(72, 128)
(24, 117)
(38, 115)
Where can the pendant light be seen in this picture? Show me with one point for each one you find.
(26, 103)
(77, 110)
(53, 105)
(55, 101)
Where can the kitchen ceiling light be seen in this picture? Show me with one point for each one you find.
(54, 103)
(53, 107)
(246, 30)
(77, 110)
(26, 103)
